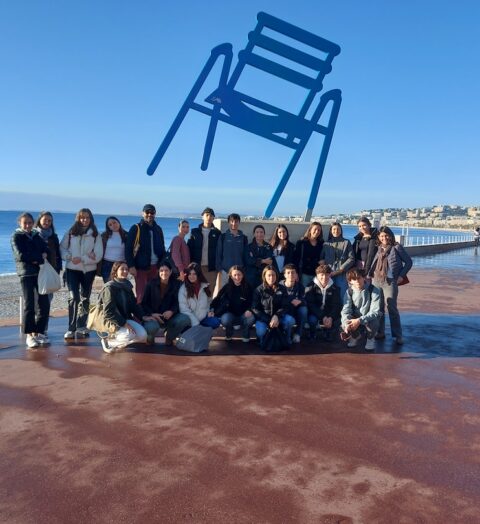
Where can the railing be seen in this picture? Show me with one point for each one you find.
(410, 241)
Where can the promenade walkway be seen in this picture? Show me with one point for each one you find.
(321, 434)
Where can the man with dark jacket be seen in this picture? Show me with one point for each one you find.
(144, 249)
(203, 246)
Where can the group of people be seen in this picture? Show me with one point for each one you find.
(312, 288)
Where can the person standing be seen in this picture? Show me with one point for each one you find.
(179, 249)
(30, 251)
(113, 240)
(144, 249)
(365, 244)
(307, 252)
(230, 248)
(203, 246)
(82, 249)
(258, 254)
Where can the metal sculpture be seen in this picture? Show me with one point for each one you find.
(227, 104)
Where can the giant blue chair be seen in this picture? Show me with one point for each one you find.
(234, 107)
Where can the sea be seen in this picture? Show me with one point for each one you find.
(63, 221)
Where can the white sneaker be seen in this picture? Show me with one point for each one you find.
(370, 344)
(296, 338)
(246, 340)
(42, 339)
(31, 341)
(353, 342)
(69, 335)
(106, 347)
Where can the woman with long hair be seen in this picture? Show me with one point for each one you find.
(270, 305)
(82, 250)
(307, 252)
(121, 311)
(160, 304)
(194, 297)
(46, 229)
(179, 249)
(365, 244)
(389, 269)
(337, 252)
(283, 249)
(30, 251)
(113, 241)
(258, 254)
(233, 304)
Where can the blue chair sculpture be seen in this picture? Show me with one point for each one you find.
(231, 106)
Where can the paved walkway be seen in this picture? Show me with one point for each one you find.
(320, 434)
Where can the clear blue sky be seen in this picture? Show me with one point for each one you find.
(89, 89)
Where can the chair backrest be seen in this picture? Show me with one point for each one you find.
(271, 49)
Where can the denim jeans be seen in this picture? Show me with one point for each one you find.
(79, 290)
(173, 326)
(106, 270)
(300, 314)
(286, 322)
(341, 282)
(36, 308)
(229, 320)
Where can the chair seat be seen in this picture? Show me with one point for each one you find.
(272, 121)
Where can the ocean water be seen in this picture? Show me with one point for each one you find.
(63, 221)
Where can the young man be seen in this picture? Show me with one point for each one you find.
(297, 307)
(203, 246)
(361, 310)
(323, 302)
(230, 248)
(144, 249)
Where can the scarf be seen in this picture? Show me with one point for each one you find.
(44, 233)
(381, 267)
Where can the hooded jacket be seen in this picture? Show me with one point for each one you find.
(323, 302)
(27, 251)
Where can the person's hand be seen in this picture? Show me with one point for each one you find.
(274, 322)
(91, 255)
(211, 314)
(248, 314)
(399, 280)
(353, 324)
(148, 317)
(295, 302)
(327, 322)
(167, 315)
(267, 261)
(44, 256)
(132, 271)
(76, 260)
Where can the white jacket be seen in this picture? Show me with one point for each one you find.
(196, 308)
(73, 246)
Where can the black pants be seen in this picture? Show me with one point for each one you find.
(36, 308)
(80, 288)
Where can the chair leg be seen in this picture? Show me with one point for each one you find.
(207, 150)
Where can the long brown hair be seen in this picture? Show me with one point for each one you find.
(40, 216)
(197, 269)
(108, 232)
(275, 241)
(264, 272)
(77, 228)
(308, 232)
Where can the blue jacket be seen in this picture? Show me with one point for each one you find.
(230, 250)
(144, 255)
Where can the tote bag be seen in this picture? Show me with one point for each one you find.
(49, 280)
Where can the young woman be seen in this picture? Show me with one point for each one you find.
(113, 241)
(389, 268)
(307, 252)
(160, 304)
(121, 310)
(337, 252)
(283, 249)
(179, 249)
(30, 251)
(270, 305)
(233, 304)
(194, 298)
(365, 244)
(45, 228)
(297, 307)
(258, 254)
(82, 249)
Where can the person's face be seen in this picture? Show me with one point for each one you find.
(234, 224)
(84, 219)
(46, 222)
(364, 228)
(26, 224)
(282, 233)
(149, 217)
(164, 273)
(259, 235)
(383, 238)
(122, 271)
(184, 228)
(290, 275)
(270, 277)
(113, 225)
(323, 278)
(207, 219)
(315, 232)
(357, 284)
(192, 277)
(237, 277)
(336, 231)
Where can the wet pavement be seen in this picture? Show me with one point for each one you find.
(319, 434)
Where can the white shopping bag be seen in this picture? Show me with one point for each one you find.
(49, 280)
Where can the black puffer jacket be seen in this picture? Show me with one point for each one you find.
(144, 256)
(268, 302)
(119, 303)
(27, 251)
(314, 298)
(371, 249)
(152, 303)
(195, 245)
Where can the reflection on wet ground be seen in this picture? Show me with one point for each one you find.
(467, 259)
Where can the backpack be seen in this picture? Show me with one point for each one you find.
(275, 340)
